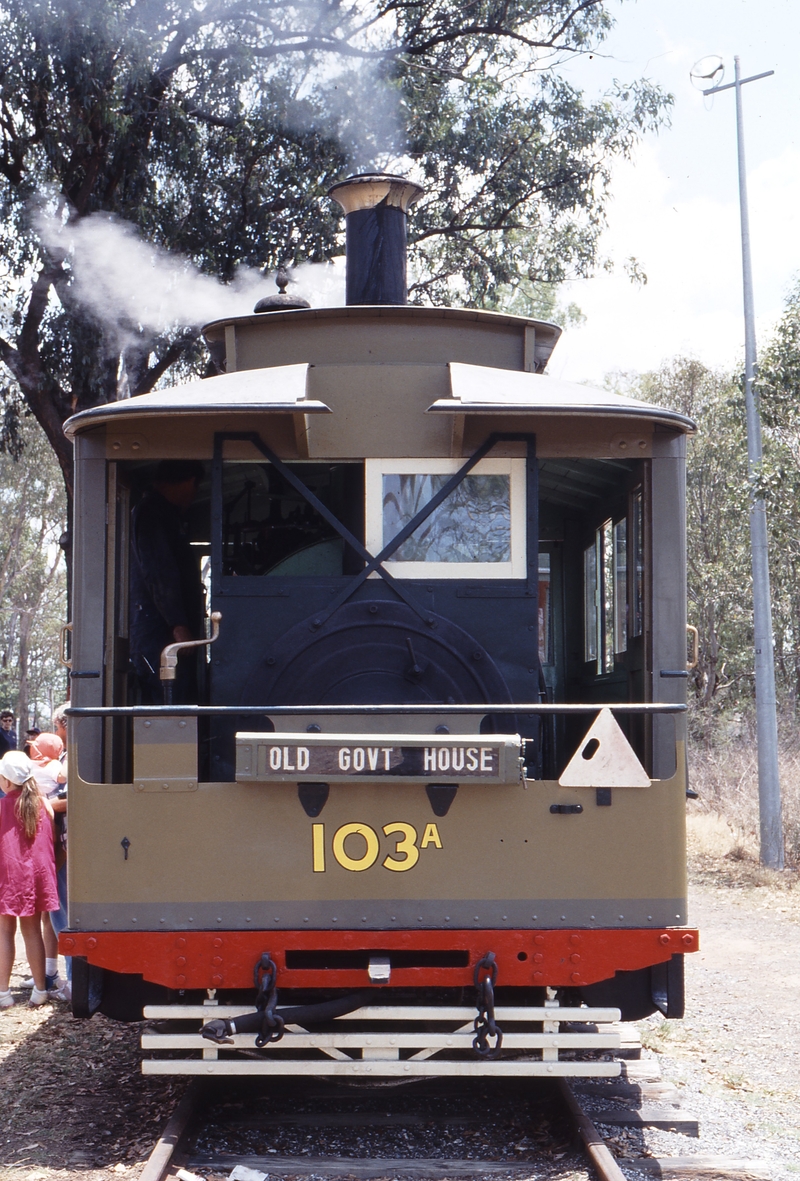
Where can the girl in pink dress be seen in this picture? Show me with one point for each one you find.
(27, 872)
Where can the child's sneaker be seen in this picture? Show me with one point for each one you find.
(50, 982)
(64, 993)
(6, 1000)
(37, 998)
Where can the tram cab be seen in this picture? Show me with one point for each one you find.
(441, 711)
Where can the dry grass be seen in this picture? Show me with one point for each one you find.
(724, 770)
(718, 856)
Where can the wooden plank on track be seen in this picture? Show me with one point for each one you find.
(345, 1119)
(643, 1068)
(649, 1117)
(702, 1168)
(348, 1166)
(630, 1039)
(647, 1091)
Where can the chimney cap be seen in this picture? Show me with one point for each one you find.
(365, 190)
(281, 302)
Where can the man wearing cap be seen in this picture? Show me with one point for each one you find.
(30, 737)
(8, 735)
(167, 598)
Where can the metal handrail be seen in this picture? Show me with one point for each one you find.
(62, 646)
(509, 707)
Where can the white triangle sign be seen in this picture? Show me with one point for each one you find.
(605, 758)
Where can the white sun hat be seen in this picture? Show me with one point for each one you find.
(16, 767)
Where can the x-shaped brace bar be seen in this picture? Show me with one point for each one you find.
(327, 515)
(372, 563)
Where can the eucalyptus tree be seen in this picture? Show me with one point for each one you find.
(32, 583)
(778, 389)
(214, 127)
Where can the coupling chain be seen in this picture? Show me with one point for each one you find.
(485, 1026)
(265, 975)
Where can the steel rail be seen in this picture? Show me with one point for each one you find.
(158, 1163)
(596, 1148)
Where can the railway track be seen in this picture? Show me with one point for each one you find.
(441, 1129)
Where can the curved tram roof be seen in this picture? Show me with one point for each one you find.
(475, 389)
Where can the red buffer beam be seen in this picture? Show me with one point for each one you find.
(225, 959)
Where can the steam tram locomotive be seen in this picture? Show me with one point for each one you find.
(435, 761)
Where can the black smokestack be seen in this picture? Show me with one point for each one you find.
(376, 207)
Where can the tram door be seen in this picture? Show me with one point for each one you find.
(593, 592)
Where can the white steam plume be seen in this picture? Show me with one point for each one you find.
(128, 283)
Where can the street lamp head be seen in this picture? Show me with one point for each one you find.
(707, 72)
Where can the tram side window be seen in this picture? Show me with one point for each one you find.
(620, 586)
(545, 611)
(269, 528)
(591, 594)
(637, 547)
(605, 595)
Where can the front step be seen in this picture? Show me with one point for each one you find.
(392, 1041)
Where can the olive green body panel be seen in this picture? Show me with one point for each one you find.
(249, 849)
(378, 410)
(353, 335)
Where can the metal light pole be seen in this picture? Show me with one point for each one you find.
(769, 787)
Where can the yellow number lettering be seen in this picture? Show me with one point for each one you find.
(318, 847)
(429, 837)
(371, 852)
(407, 845)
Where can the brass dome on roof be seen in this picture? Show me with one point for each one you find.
(281, 302)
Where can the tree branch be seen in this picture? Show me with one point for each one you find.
(44, 396)
(157, 371)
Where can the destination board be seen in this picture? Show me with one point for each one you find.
(286, 758)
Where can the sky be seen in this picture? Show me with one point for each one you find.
(675, 206)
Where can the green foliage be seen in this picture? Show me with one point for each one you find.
(779, 372)
(539, 301)
(32, 577)
(517, 180)
(215, 129)
(779, 399)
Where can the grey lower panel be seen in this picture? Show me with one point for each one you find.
(378, 915)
